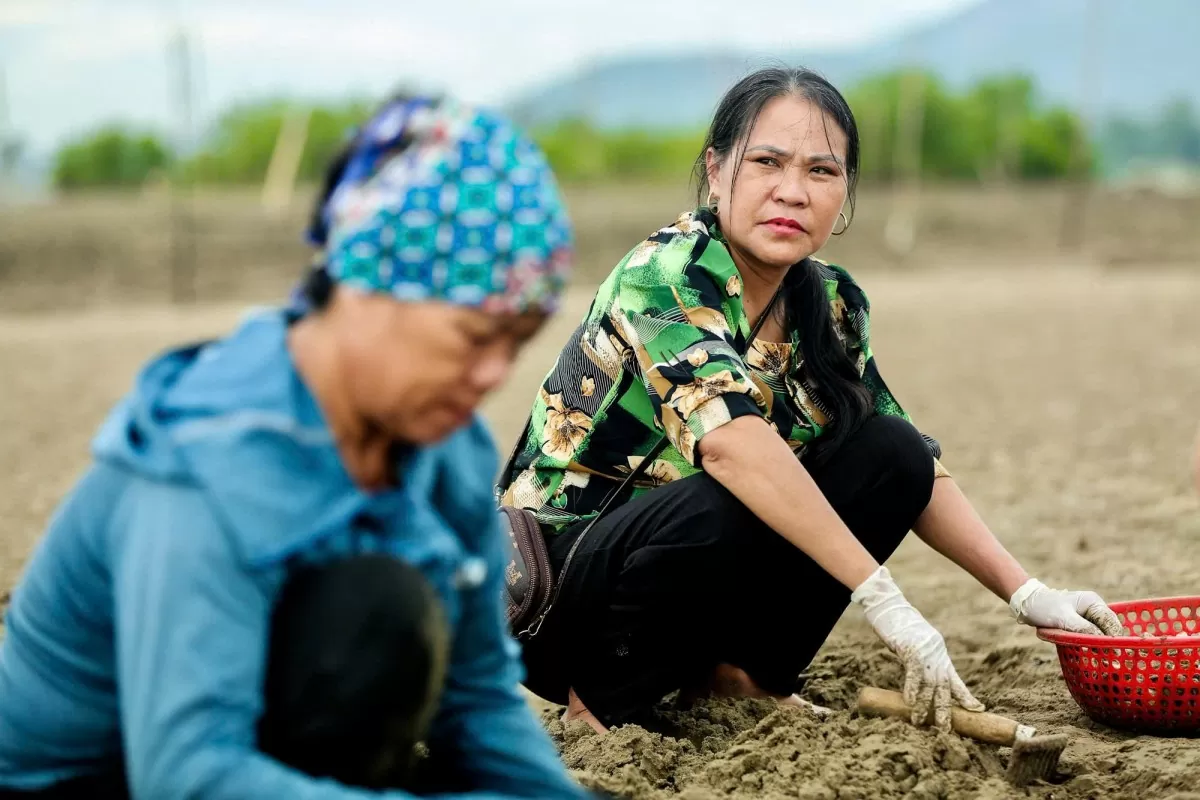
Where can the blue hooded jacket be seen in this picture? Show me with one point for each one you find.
(139, 630)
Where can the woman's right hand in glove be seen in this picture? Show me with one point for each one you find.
(930, 680)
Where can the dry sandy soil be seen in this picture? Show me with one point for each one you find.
(1066, 399)
(1066, 402)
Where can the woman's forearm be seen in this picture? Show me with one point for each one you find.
(758, 468)
(951, 526)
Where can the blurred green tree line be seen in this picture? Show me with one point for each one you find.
(111, 156)
(995, 129)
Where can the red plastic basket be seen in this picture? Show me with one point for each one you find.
(1149, 680)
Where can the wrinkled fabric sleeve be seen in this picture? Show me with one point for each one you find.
(191, 629)
(688, 350)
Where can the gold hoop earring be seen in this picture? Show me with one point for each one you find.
(845, 223)
(713, 203)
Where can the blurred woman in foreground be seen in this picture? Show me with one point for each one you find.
(283, 568)
(792, 473)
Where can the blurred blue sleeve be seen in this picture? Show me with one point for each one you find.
(486, 733)
(191, 629)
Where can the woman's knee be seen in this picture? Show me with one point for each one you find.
(904, 453)
(692, 534)
(356, 661)
(696, 510)
(879, 481)
(730, 529)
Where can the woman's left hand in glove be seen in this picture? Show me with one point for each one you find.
(1078, 612)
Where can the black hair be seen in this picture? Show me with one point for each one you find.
(805, 307)
(318, 287)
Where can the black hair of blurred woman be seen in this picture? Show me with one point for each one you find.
(806, 305)
(318, 287)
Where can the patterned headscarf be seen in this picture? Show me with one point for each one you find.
(443, 201)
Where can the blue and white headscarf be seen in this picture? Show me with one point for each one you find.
(444, 201)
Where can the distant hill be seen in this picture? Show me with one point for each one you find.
(1147, 53)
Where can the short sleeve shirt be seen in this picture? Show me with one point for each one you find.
(659, 353)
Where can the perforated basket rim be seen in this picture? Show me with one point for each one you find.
(1058, 636)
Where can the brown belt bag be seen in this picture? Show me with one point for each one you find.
(531, 588)
(529, 579)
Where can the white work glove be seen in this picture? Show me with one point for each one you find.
(930, 679)
(1078, 612)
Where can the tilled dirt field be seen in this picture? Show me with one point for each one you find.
(1067, 404)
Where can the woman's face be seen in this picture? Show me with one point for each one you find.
(790, 184)
(417, 371)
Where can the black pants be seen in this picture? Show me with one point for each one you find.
(683, 578)
(356, 663)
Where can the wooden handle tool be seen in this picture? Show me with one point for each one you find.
(1034, 758)
(978, 725)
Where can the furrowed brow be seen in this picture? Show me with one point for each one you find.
(827, 158)
(770, 148)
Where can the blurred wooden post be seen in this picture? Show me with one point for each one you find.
(1008, 141)
(182, 211)
(900, 233)
(279, 185)
(4, 120)
(10, 147)
(1073, 225)
(871, 121)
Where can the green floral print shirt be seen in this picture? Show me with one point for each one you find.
(658, 352)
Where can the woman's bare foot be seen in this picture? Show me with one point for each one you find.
(796, 701)
(730, 681)
(576, 710)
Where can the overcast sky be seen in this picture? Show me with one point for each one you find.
(72, 64)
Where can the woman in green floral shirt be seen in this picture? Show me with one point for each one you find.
(793, 473)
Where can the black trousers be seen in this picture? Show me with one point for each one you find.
(683, 578)
(357, 660)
